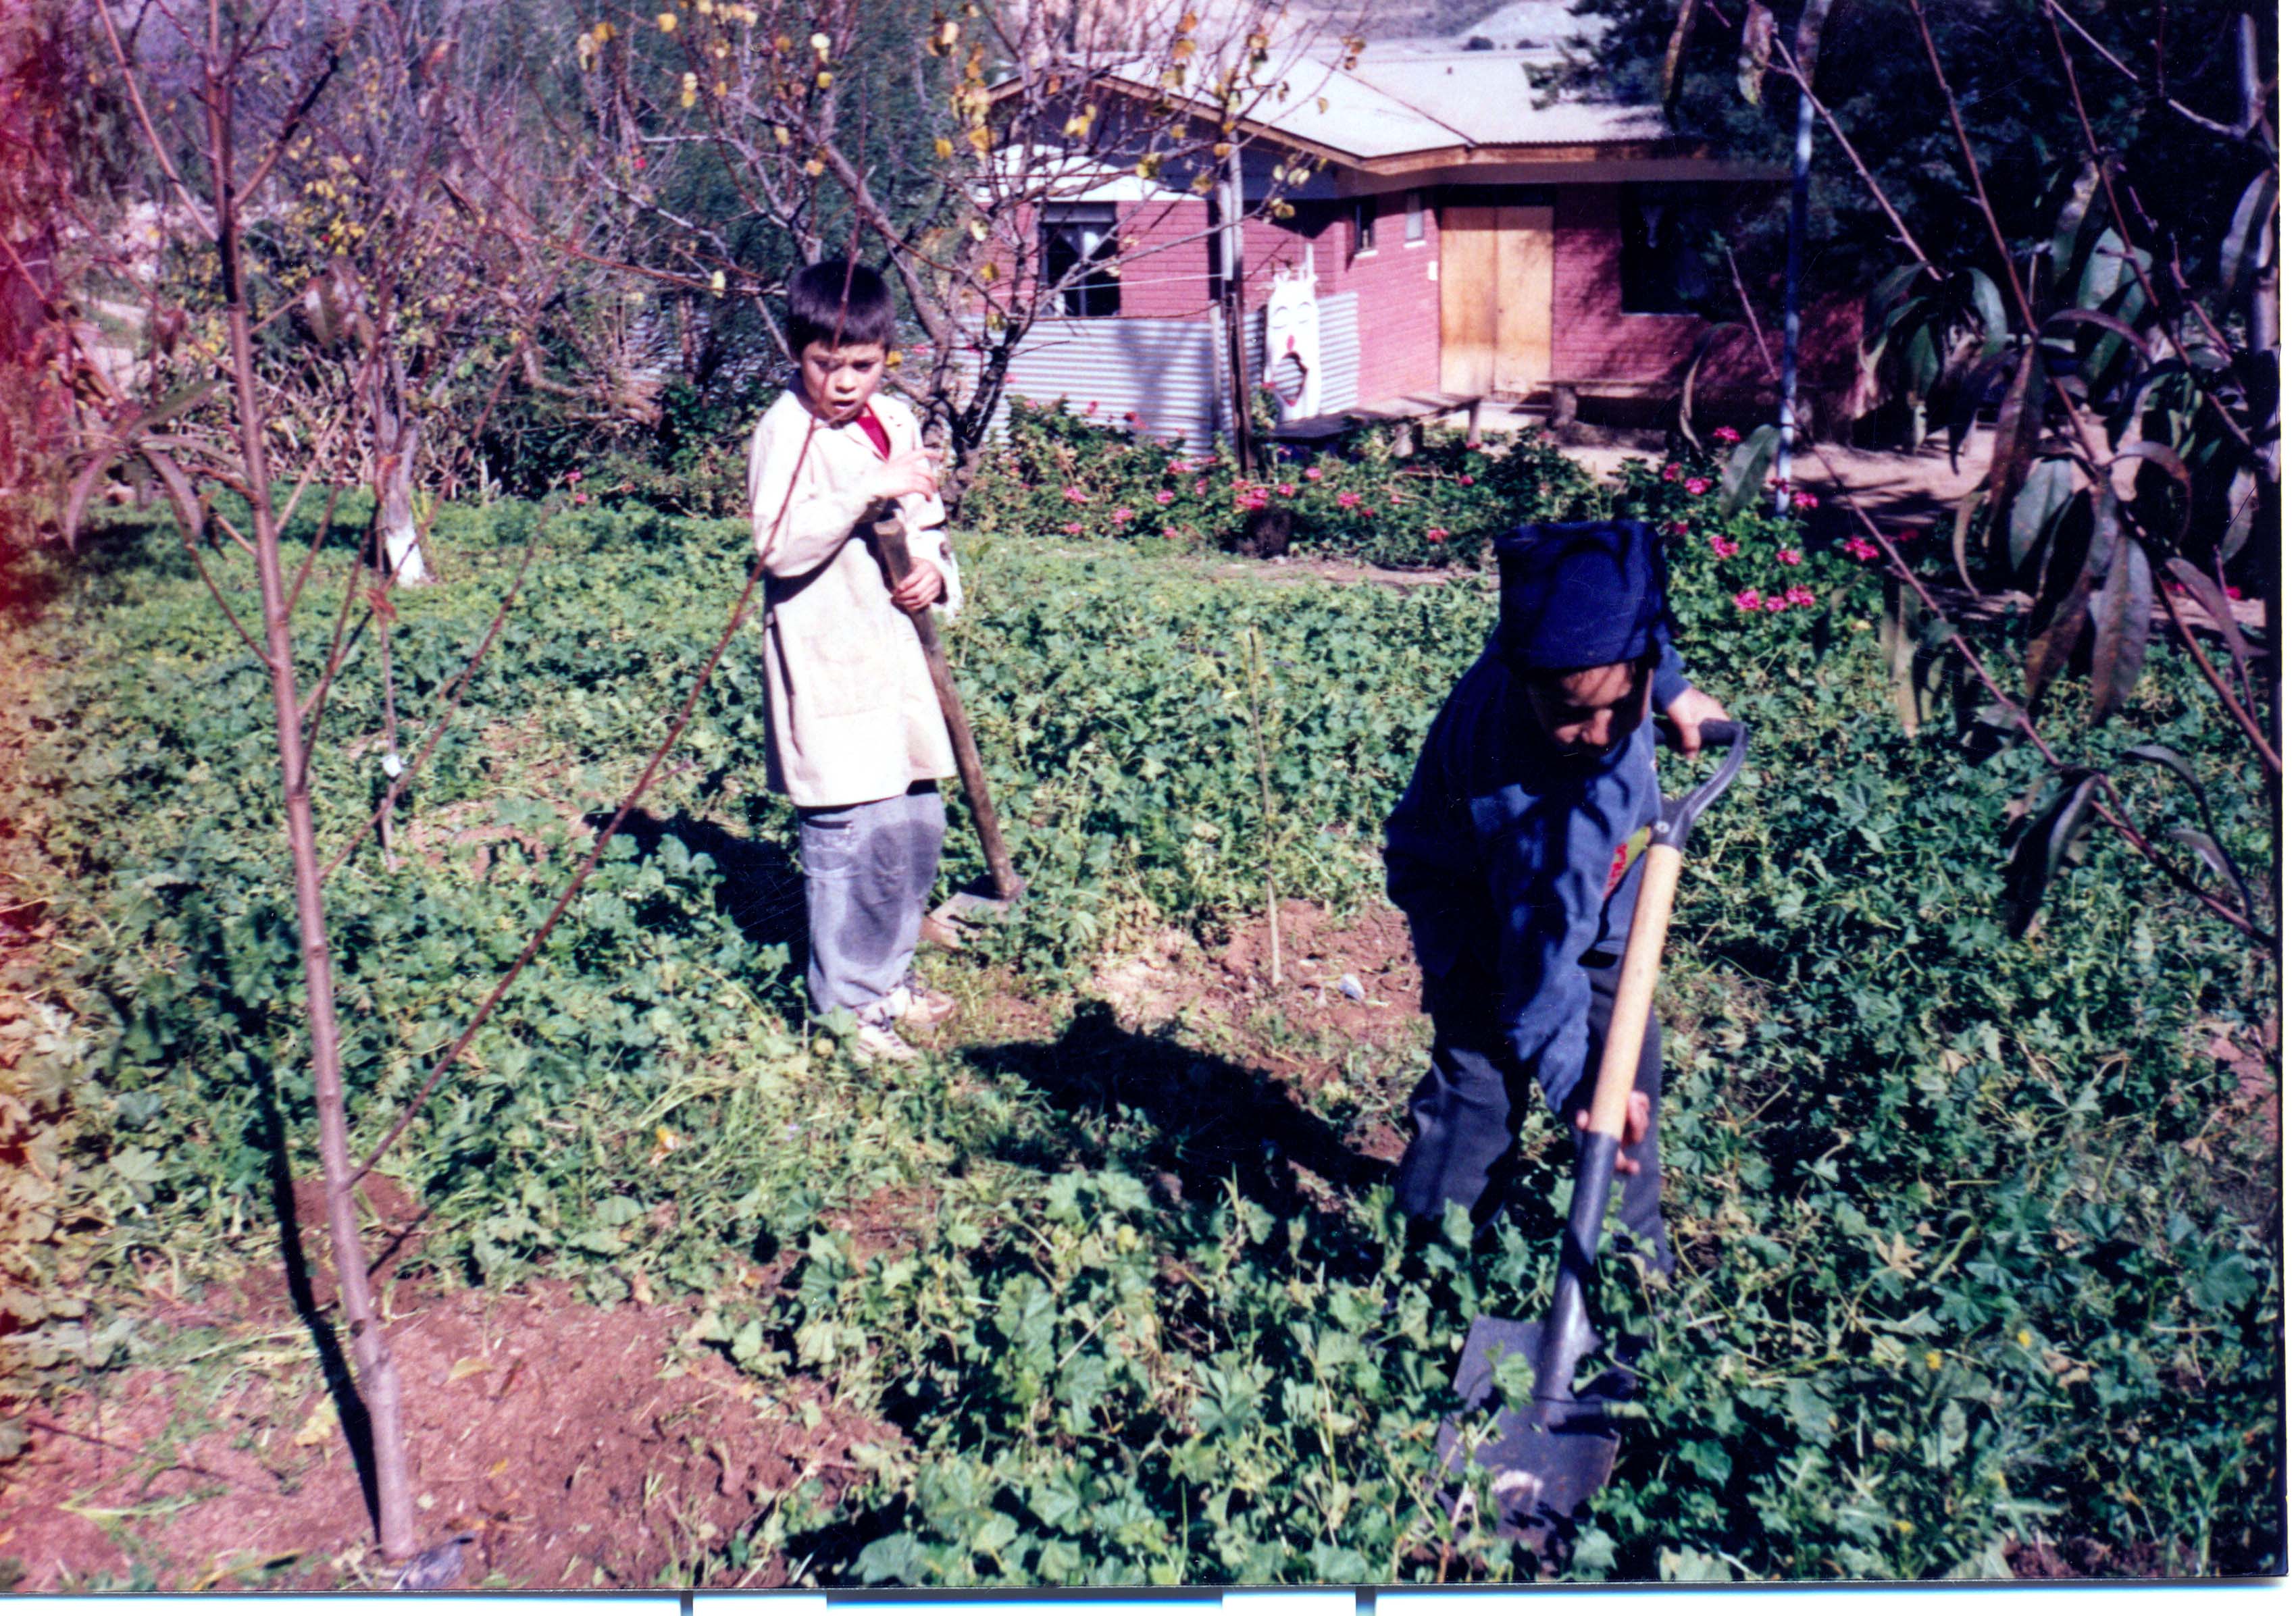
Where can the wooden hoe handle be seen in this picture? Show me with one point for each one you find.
(888, 540)
(1623, 1046)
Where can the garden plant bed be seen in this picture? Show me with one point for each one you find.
(1106, 1286)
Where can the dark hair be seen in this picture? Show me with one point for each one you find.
(838, 303)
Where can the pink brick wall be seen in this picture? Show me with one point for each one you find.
(1398, 308)
(1595, 342)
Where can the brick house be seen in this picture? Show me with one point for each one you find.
(1459, 240)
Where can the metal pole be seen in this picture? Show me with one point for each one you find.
(1232, 298)
(1789, 367)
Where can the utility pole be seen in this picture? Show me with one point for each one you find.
(1806, 37)
(1231, 202)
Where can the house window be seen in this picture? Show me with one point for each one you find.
(1084, 234)
(1661, 229)
(1366, 225)
(1414, 220)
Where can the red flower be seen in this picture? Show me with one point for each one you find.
(1722, 547)
(1861, 550)
(1287, 489)
(1349, 500)
(1072, 528)
(1747, 599)
(1075, 495)
(1467, 482)
(1789, 557)
(1803, 500)
(1776, 603)
(1800, 595)
(1725, 434)
(1315, 474)
(1673, 472)
(1696, 484)
(1164, 496)
(2232, 591)
(1436, 536)
(1121, 516)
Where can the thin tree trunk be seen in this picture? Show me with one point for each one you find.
(378, 1375)
(398, 433)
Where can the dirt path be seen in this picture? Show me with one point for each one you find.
(568, 1446)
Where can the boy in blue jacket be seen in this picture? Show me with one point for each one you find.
(1515, 856)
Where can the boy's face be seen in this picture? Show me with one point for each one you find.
(1586, 712)
(838, 380)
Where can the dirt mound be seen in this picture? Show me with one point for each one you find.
(575, 1444)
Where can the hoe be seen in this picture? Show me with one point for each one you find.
(1548, 1458)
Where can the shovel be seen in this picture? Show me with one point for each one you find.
(1549, 1458)
(888, 540)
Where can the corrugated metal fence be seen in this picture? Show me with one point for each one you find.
(1166, 371)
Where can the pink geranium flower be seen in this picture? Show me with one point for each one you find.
(1176, 467)
(1165, 496)
(1800, 595)
(1676, 529)
(1071, 528)
(1349, 500)
(1804, 501)
(1673, 472)
(1436, 536)
(1121, 515)
(1467, 482)
(1075, 495)
(1722, 547)
(1315, 474)
(1171, 532)
(1696, 484)
(1287, 489)
(1725, 434)
(1747, 599)
(1789, 557)
(1861, 550)
(1776, 603)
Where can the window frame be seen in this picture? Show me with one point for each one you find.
(1363, 228)
(1415, 219)
(1100, 295)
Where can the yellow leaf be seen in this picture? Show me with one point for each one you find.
(603, 32)
(979, 139)
(666, 21)
(668, 1140)
(942, 149)
(824, 78)
(689, 91)
(498, 1467)
(820, 42)
(322, 1424)
(893, 360)
(465, 1368)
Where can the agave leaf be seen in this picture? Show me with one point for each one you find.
(1707, 339)
(1743, 473)
(1963, 514)
(1897, 648)
(2123, 610)
(2041, 848)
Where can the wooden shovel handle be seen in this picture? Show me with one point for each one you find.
(1623, 1046)
(888, 540)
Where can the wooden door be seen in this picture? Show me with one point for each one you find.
(1469, 276)
(1498, 300)
(1523, 311)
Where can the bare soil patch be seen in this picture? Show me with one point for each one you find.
(1300, 1004)
(576, 1445)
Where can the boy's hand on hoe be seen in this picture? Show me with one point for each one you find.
(923, 586)
(1637, 1124)
(916, 472)
(1685, 713)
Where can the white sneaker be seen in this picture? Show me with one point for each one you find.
(877, 1040)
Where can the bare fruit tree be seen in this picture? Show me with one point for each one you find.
(746, 135)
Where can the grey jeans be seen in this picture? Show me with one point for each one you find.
(1467, 1112)
(869, 867)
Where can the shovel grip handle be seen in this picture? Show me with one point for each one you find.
(1623, 1046)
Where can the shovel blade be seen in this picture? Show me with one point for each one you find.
(1546, 1459)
